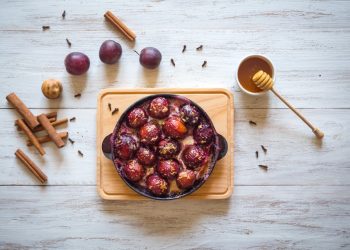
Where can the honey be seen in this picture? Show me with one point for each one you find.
(248, 68)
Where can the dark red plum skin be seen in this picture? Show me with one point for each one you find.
(150, 57)
(203, 133)
(168, 148)
(157, 185)
(77, 63)
(125, 146)
(110, 52)
(168, 169)
(133, 170)
(146, 156)
(189, 114)
(174, 127)
(193, 156)
(159, 108)
(137, 118)
(186, 179)
(150, 133)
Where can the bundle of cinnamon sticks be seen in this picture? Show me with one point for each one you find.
(30, 124)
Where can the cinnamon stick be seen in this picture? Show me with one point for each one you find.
(23, 110)
(52, 117)
(120, 25)
(46, 138)
(31, 166)
(54, 124)
(50, 130)
(20, 123)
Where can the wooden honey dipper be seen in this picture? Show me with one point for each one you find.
(264, 81)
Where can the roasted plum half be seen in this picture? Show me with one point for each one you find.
(186, 179)
(193, 156)
(203, 133)
(174, 127)
(146, 156)
(133, 170)
(150, 133)
(137, 117)
(168, 169)
(157, 185)
(189, 114)
(125, 146)
(168, 148)
(159, 108)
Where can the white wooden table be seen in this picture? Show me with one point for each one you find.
(301, 202)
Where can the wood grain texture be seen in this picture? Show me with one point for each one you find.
(305, 40)
(301, 202)
(217, 103)
(267, 217)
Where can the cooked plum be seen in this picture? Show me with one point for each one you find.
(189, 114)
(168, 169)
(125, 146)
(168, 148)
(203, 133)
(146, 156)
(159, 108)
(174, 127)
(137, 117)
(157, 185)
(133, 170)
(186, 179)
(193, 156)
(150, 133)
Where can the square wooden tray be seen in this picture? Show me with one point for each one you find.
(218, 103)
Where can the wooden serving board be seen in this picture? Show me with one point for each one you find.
(218, 103)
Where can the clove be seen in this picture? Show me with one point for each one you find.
(265, 167)
(252, 123)
(115, 110)
(199, 48)
(68, 42)
(264, 148)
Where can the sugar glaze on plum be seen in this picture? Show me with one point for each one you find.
(168, 141)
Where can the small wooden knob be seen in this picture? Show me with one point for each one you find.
(319, 134)
(262, 80)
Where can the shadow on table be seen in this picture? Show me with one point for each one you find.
(165, 217)
(111, 72)
(150, 77)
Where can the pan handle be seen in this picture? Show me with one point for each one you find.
(106, 147)
(223, 147)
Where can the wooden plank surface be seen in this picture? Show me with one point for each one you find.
(301, 202)
(270, 217)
